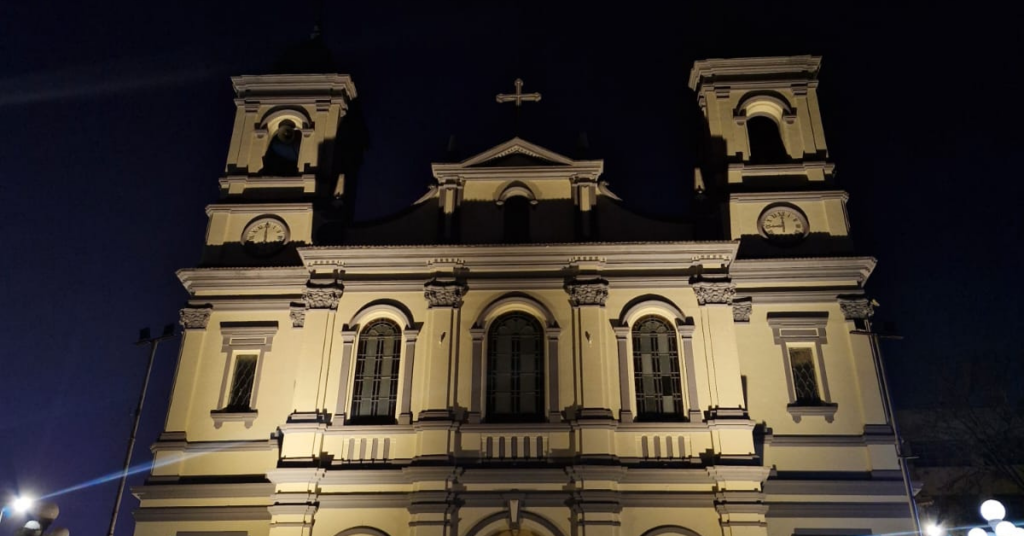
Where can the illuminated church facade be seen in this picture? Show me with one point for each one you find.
(518, 352)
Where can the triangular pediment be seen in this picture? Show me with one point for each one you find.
(516, 152)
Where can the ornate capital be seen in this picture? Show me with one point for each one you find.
(741, 310)
(710, 292)
(587, 291)
(194, 317)
(298, 315)
(322, 297)
(856, 308)
(444, 293)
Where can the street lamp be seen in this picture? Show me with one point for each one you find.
(19, 505)
(993, 511)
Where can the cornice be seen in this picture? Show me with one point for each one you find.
(803, 67)
(259, 208)
(205, 513)
(277, 85)
(415, 260)
(276, 280)
(771, 170)
(750, 272)
(152, 492)
(307, 183)
(768, 197)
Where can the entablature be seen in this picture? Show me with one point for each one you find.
(500, 259)
(803, 272)
(237, 281)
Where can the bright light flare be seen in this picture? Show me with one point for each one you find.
(934, 530)
(977, 531)
(1005, 528)
(22, 504)
(993, 510)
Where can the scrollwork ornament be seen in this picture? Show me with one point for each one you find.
(194, 317)
(298, 315)
(714, 292)
(322, 297)
(858, 308)
(741, 310)
(587, 292)
(444, 293)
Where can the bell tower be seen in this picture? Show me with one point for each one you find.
(287, 166)
(771, 162)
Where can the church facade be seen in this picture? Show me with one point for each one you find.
(519, 353)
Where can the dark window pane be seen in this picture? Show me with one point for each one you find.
(515, 363)
(375, 387)
(805, 381)
(765, 141)
(656, 373)
(242, 382)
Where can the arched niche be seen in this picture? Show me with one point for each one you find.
(500, 523)
(514, 302)
(667, 530)
(515, 189)
(362, 531)
(383, 308)
(659, 306)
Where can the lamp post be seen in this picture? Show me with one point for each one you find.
(153, 342)
(993, 511)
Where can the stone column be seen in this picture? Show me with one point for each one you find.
(622, 334)
(716, 315)
(408, 362)
(594, 359)
(348, 339)
(315, 315)
(194, 320)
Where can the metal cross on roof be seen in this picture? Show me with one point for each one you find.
(518, 98)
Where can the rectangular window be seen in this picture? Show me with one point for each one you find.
(805, 379)
(242, 381)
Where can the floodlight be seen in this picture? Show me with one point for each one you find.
(1005, 528)
(22, 504)
(993, 510)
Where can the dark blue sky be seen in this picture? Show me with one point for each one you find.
(117, 119)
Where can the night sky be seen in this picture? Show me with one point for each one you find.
(117, 116)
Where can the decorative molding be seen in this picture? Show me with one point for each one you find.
(203, 513)
(741, 309)
(714, 292)
(195, 317)
(298, 315)
(587, 291)
(440, 293)
(856, 308)
(322, 297)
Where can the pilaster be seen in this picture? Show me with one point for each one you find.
(718, 331)
(594, 363)
(441, 329)
(194, 321)
(318, 310)
(857, 311)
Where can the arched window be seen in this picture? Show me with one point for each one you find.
(766, 145)
(282, 156)
(375, 388)
(515, 369)
(656, 370)
(516, 215)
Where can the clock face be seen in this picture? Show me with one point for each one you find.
(783, 224)
(265, 236)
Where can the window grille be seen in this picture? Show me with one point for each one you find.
(375, 389)
(515, 361)
(242, 383)
(656, 370)
(805, 380)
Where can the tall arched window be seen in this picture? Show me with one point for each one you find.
(766, 145)
(515, 369)
(516, 215)
(375, 388)
(282, 157)
(656, 370)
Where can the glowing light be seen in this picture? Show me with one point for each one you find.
(977, 531)
(934, 530)
(22, 504)
(1005, 528)
(993, 510)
